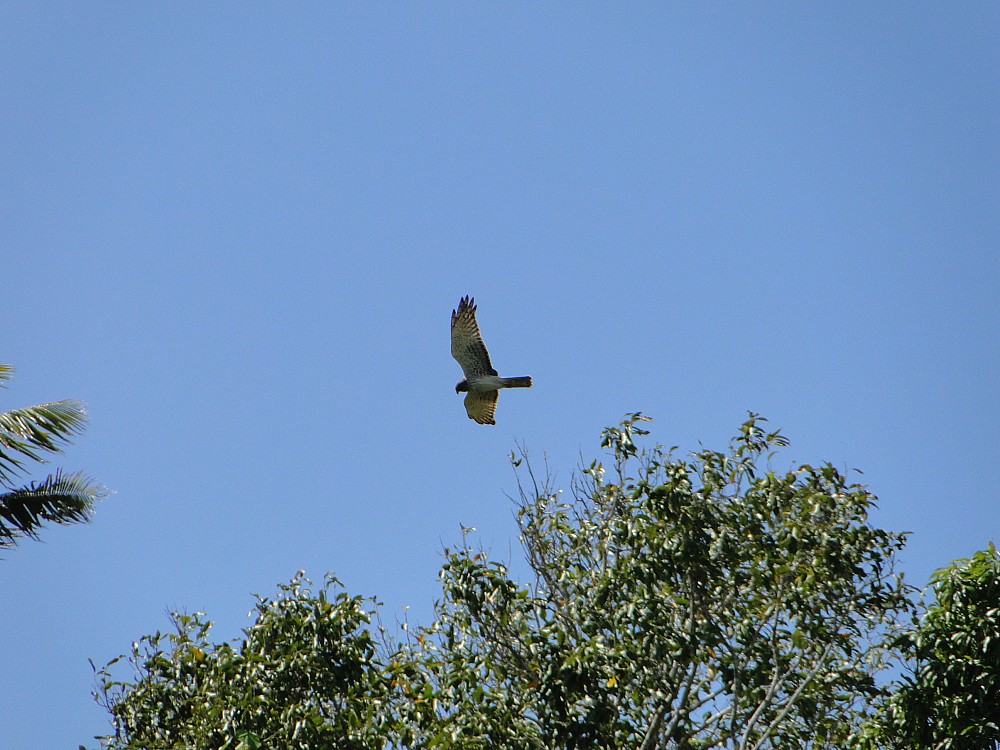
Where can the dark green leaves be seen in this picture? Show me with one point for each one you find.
(28, 434)
(59, 498)
(306, 675)
(951, 698)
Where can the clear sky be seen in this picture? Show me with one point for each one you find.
(237, 231)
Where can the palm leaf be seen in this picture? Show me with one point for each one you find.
(59, 498)
(34, 430)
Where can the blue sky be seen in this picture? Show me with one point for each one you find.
(237, 233)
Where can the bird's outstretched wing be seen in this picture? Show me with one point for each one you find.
(467, 346)
(481, 406)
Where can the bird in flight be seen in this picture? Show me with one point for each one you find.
(481, 381)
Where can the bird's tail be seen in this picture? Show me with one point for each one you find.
(524, 382)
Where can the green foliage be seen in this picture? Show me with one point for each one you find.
(304, 677)
(676, 603)
(27, 435)
(670, 603)
(951, 701)
(62, 498)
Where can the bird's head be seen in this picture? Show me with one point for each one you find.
(463, 385)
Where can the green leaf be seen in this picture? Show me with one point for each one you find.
(59, 498)
(35, 430)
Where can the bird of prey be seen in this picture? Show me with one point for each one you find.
(481, 381)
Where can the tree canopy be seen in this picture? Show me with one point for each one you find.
(950, 699)
(305, 676)
(669, 603)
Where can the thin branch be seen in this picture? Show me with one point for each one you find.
(654, 728)
(682, 696)
(791, 700)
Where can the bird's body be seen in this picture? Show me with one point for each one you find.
(481, 381)
(492, 383)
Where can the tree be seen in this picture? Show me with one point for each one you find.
(669, 603)
(951, 698)
(27, 435)
(674, 604)
(304, 677)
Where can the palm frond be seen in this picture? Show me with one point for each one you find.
(59, 498)
(6, 373)
(34, 430)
